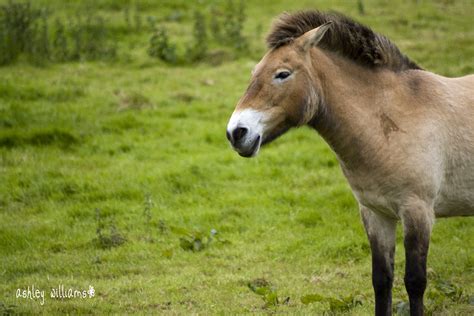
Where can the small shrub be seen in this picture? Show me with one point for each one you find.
(235, 19)
(95, 42)
(76, 34)
(105, 240)
(39, 49)
(360, 7)
(216, 25)
(194, 240)
(17, 25)
(161, 48)
(26, 30)
(59, 43)
(267, 291)
(336, 304)
(198, 49)
(151, 20)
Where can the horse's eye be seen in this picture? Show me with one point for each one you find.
(282, 75)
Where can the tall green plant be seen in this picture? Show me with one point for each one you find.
(198, 49)
(39, 48)
(160, 46)
(59, 42)
(17, 24)
(215, 25)
(235, 18)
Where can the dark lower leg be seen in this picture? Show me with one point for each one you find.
(416, 248)
(381, 233)
(382, 279)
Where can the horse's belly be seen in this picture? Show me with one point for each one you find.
(455, 201)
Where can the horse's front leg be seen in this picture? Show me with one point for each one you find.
(417, 224)
(381, 233)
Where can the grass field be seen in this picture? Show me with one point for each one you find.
(117, 175)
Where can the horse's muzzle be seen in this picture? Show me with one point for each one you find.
(243, 142)
(252, 151)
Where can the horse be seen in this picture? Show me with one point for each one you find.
(403, 136)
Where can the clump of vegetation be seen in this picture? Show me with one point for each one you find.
(25, 30)
(106, 240)
(267, 291)
(226, 26)
(196, 240)
(198, 49)
(442, 293)
(193, 240)
(17, 28)
(94, 40)
(234, 24)
(360, 7)
(160, 46)
(60, 42)
(336, 304)
(215, 25)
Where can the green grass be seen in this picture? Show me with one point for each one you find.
(138, 148)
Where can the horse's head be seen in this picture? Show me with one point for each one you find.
(283, 93)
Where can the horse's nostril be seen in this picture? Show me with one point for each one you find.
(239, 133)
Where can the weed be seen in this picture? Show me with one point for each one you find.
(151, 20)
(216, 25)
(402, 308)
(195, 240)
(25, 30)
(235, 18)
(148, 206)
(198, 49)
(105, 240)
(162, 227)
(267, 291)
(443, 292)
(336, 304)
(39, 50)
(60, 43)
(95, 43)
(17, 22)
(160, 47)
(360, 7)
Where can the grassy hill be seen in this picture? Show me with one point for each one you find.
(116, 173)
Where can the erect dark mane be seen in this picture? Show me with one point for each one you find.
(350, 39)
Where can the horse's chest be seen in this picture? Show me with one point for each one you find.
(378, 196)
(377, 202)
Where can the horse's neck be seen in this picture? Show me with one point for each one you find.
(352, 98)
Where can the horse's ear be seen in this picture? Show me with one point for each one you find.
(313, 37)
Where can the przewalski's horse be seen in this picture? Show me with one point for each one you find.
(404, 137)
